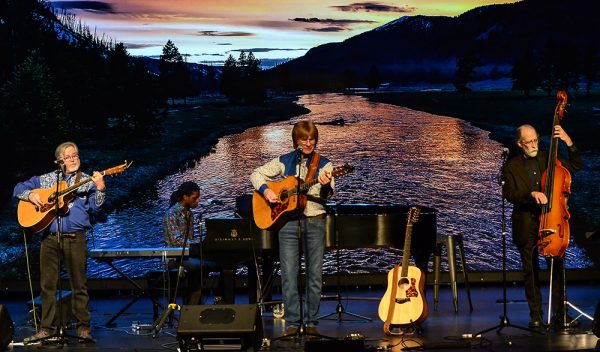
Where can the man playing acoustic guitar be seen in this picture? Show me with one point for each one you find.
(75, 222)
(310, 222)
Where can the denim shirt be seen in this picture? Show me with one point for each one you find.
(87, 199)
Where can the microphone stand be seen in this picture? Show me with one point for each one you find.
(60, 334)
(173, 306)
(504, 321)
(299, 211)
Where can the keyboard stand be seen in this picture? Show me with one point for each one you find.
(139, 293)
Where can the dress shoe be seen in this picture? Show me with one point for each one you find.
(290, 331)
(536, 320)
(312, 330)
(535, 323)
(312, 333)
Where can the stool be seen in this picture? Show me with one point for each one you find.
(450, 241)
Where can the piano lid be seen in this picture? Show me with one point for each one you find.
(380, 225)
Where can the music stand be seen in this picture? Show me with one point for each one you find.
(339, 309)
(504, 321)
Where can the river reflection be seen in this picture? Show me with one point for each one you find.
(400, 156)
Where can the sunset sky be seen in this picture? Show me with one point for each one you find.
(210, 30)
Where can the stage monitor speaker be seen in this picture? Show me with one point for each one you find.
(7, 329)
(596, 322)
(220, 327)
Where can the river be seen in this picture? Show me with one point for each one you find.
(400, 156)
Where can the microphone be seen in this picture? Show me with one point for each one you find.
(59, 161)
(505, 151)
(299, 153)
(212, 201)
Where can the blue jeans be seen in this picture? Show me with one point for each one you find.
(312, 233)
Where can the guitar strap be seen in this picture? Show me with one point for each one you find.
(312, 170)
(390, 315)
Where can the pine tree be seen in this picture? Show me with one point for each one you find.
(173, 72)
(465, 72)
(525, 73)
(373, 78)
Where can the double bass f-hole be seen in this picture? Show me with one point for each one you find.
(554, 232)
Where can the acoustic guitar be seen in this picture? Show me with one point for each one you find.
(403, 302)
(273, 215)
(36, 218)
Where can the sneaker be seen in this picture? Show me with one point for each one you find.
(40, 336)
(84, 335)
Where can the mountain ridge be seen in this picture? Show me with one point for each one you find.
(414, 48)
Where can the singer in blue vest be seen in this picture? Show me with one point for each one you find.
(311, 223)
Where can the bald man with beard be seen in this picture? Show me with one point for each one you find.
(522, 187)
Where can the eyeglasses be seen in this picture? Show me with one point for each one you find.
(530, 142)
(71, 157)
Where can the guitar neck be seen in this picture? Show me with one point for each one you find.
(77, 185)
(307, 185)
(74, 187)
(406, 252)
(411, 218)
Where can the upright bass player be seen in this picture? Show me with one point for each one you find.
(522, 187)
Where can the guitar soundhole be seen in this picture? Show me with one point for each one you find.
(409, 287)
(403, 283)
(283, 196)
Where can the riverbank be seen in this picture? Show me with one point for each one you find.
(500, 112)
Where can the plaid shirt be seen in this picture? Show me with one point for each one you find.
(178, 222)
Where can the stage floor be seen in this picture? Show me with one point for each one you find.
(442, 329)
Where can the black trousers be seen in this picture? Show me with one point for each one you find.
(531, 268)
(73, 257)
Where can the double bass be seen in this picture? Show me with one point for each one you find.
(554, 232)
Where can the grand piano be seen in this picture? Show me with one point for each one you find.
(381, 225)
(231, 241)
